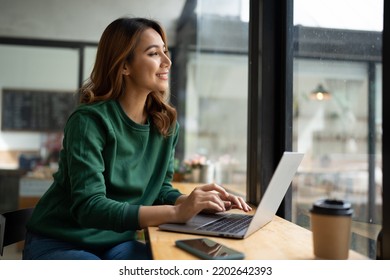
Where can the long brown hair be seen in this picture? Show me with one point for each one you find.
(106, 82)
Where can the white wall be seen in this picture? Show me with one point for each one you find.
(34, 68)
(82, 20)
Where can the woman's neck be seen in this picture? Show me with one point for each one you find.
(134, 107)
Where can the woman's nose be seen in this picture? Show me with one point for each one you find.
(166, 62)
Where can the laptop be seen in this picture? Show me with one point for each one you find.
(240, 226)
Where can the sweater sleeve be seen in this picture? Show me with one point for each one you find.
(84, 141)
(168, 194)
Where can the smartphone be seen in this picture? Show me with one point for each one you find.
(208, 249)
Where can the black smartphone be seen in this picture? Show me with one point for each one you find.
(208, 249)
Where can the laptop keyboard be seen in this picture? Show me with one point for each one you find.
(233, 223)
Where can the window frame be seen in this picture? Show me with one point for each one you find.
(384, 242)
(270, 96)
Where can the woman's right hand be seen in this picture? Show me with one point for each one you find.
(210, 198)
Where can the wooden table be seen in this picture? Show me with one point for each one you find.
(278, 240)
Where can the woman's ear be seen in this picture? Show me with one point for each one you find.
(125, 69)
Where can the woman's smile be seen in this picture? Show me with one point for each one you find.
(163, 75)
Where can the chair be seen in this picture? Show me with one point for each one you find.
(13, 227)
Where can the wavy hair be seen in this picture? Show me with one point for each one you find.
(106, 82)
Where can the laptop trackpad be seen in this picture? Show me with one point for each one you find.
(202, 219)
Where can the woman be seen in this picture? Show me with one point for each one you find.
(116, 163)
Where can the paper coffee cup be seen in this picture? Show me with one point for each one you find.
(331, 226)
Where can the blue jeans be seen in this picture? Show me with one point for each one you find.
(38, 247)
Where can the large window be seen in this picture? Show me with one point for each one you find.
(214, 78)
(337, 111)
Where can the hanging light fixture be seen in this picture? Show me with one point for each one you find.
(320, 93)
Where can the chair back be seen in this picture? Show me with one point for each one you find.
(13, 226)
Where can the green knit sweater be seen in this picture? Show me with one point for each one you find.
(109, 166)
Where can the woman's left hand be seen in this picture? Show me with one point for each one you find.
(234, 202)
(212, 195)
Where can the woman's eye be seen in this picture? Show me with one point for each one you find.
(154, 53)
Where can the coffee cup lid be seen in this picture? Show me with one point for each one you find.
(332, 207)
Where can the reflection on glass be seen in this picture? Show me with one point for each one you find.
(340, 134)
(216, 92)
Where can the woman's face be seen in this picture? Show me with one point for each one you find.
(148, 71)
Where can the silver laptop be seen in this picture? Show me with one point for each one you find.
(240, 226)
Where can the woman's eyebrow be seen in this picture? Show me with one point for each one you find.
(155, 46)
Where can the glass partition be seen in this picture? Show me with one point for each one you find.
(216, 93)
(337, 111)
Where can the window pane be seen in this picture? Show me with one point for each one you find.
(216, 93)
(339, 129)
